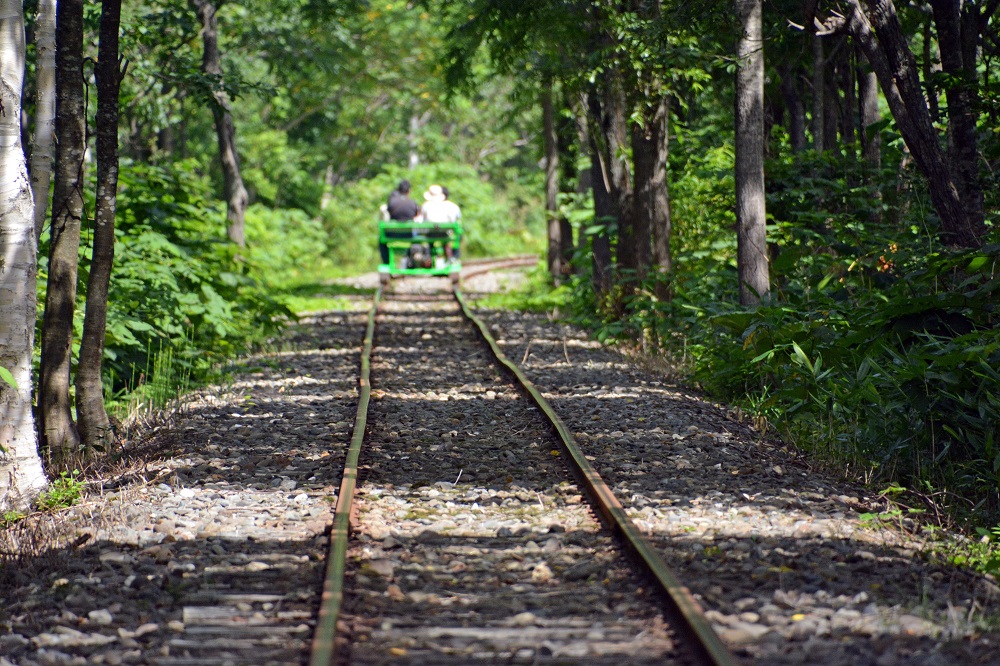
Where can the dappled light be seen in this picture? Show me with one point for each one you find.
(500, 332)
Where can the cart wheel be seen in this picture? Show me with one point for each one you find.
(383, 279)
(454, 277)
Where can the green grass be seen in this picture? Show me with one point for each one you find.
(536, 294)
(319, 292)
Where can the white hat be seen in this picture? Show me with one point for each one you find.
(434, 193)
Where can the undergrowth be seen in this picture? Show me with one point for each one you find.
(878, 350)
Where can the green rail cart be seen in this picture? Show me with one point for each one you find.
(419, 248)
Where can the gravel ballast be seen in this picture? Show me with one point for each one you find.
(213, 546)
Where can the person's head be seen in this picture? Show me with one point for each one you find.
(403, 187)
(434, 193)
(444, 191)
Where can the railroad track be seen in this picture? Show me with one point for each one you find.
(461, 530)
(472, 540)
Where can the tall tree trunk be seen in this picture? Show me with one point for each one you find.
(752, 257)
(614, 140)
(211, 64)
(963, 151)
(819, 94)
(652, 196)
(880, 35)
(796, 110)
(58, 433)
(95, 427)
(21, 475)
(930, 90)
(847, 73)
(605, 209)
(45, 110)
(831, 112)
(604, 212)
(871, 141)
(551, 141)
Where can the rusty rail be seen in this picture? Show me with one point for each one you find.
(700, 639)
(324, 648)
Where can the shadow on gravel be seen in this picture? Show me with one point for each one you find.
(174, 599)
(778, 550)
(506, 599)
(212, 543)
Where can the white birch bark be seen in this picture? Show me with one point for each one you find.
(21, 475)
(45, 110)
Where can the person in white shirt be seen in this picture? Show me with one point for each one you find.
(438, 209)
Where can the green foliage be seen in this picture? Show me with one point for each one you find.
(285, 246)
(10, 517)
(182, 296)
(177, 282)
(62, 493)
(163, 380)
(900, 380)
(872, 351)
(984, 554)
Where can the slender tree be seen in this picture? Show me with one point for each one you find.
(92, 417)
(211, 64)
(604, 205)
(45, 110)
(871, 142)
(963, 150)
(58, 432)
(752, 257)
(818, 94)
(614, 139)
(551, 141)
(794, 107)
(652, 196)
(21, 475)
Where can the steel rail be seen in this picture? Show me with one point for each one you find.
(532, 258)
(704, 644)
(324, 648)
(481, 266)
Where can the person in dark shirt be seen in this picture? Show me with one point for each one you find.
(401, 208)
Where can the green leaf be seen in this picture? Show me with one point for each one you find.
(6, 376)
(801, 356)
(977, 263)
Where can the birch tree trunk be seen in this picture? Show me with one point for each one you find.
(21, 475)
(45, 110)
(58, 432)
(95, 427)
(211, 64)
(752, 257)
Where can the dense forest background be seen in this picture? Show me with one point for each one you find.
(793, 202)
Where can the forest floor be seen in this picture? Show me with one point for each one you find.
(784, 556)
